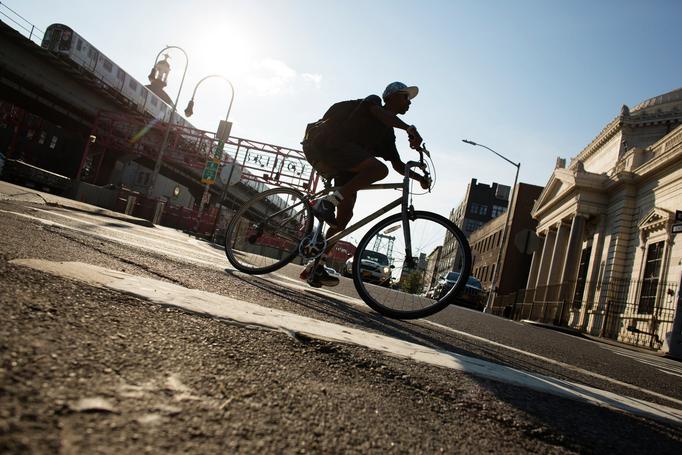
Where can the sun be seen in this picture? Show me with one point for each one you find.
(226, 51)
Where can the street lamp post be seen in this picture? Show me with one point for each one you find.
(493, 286)
(225, 134)
(164, 143)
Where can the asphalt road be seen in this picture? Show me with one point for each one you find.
(179, 382)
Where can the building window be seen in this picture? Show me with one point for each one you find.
(498, 210)
(478, 209)
(472, 225)
(107, 65)
(582, 277)
(652, 272)
(143, 178)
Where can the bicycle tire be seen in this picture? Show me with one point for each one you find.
(404, 292)
(256, 242)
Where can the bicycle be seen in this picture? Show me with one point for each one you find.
(270, 230)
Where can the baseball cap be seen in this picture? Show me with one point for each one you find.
(399, 87)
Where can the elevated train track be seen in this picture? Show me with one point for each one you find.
(40, 87)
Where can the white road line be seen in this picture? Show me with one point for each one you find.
(297, 285)
(556, 362)
(250, 314)
(144, 246)
(184, 240)
(670, 373)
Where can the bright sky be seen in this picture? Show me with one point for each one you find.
(531, 79)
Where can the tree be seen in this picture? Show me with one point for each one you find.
(412, 283)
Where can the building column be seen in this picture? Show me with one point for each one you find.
(595, 264)
(535, 264)
(558, 260)
(546, 259)
(573, 252)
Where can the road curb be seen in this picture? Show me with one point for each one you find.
(52, 200)
(567, 330)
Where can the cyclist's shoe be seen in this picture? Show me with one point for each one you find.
(320, 278)
(305, 274)
(324, 210)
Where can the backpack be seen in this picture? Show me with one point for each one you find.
(330, 123)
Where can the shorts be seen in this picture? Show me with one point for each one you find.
(336, 162)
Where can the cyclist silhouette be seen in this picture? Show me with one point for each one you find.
(345, 146)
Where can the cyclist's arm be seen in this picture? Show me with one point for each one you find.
(388, 118)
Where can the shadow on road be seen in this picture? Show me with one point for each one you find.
(567, 423)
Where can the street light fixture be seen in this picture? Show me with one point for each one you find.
(189, 110)
(493, 290)
(164, 143)
(223, 133)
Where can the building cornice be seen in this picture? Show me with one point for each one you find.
(602, 138)
(639, 164)
(626, 120)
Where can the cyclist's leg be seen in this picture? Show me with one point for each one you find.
(367, 172)
(344, 213)
(351, 181)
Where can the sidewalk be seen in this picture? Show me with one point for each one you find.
(16, 192)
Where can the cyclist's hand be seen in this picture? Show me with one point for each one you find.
(415, 139)
(425, 182)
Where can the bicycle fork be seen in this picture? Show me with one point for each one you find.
(409, 260)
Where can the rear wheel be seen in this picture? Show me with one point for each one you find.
(382, 255)
(265, 233)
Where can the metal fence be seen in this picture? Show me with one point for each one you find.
(637, 312)
(20, 24)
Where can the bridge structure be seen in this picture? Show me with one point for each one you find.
(64, 130)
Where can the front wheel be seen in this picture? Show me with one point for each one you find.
(265, 233)
(392, 273)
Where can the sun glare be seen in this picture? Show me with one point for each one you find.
(228, 51)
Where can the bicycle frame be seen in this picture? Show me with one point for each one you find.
(403, 201)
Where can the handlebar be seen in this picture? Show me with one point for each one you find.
(421, 164)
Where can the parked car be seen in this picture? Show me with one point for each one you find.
(374, 266)
(473, 295)
(332, 271)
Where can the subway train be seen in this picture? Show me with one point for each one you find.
(61, 39)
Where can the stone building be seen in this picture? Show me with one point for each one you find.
(430, 276)
(607, 256)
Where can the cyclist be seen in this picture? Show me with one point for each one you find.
(345, 144)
